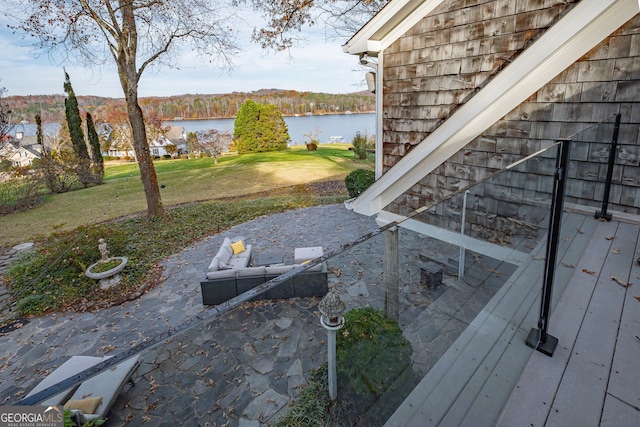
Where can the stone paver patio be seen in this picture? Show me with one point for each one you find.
(246, 365)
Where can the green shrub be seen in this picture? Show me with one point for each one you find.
(53, 276)
(359, 180)
(371, 351)
(19, 193)
(310, 408)
(361, 145)
(374, 376)
(35, 304)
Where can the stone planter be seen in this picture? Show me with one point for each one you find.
(110, 277)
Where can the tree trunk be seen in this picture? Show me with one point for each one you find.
(145, 162)
(129, 77)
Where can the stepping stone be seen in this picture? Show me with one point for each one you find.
(265, 405)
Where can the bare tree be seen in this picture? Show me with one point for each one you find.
(213, 142)
(286, 18)
(133, 35)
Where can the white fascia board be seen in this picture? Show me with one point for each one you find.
(391, 22)
(586, 25)
(483, 247)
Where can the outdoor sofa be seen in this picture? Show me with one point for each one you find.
(230, 274)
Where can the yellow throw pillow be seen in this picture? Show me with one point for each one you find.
(237, 247)
(87, 406)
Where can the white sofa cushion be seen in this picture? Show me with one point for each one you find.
(279, 269)
(225, 252)
(317, 267)
(225, 258)
(301, 255)
(216, 265)
(221, 274)
(250, 271)
(221, 260)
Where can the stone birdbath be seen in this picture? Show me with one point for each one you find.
(106, 270)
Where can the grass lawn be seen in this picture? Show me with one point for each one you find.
(185, 181)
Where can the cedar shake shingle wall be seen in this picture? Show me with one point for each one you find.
(445, 59)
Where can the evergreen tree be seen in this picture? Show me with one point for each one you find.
(245, 127)
(39, 130)
(97, 167)
(259, 128)
(273, 134)
(72, 112)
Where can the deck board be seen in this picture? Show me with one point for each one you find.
(504, 373)
(592, 355)
(530, 402)
(592, 377)
(624, 380)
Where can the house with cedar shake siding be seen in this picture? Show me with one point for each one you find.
(466, 87)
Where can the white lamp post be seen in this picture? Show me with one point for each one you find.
(332, 308)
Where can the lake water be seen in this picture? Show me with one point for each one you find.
(330, 125)
(344, 125)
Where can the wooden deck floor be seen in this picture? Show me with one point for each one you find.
(593, 379)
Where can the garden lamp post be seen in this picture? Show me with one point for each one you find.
(331, 309)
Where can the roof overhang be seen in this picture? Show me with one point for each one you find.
(391, 22)
(579, 31)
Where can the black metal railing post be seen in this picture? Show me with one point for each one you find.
(607, 186)
(540, 338)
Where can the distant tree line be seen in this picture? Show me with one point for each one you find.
(51, 107)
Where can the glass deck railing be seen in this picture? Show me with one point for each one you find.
(461, 277)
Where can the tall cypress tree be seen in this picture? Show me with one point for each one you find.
(39, 130)
(72, 112)
(97, 168)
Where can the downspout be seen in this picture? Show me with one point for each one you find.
(379, 93)
(365, 60)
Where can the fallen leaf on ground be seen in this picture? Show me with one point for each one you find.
(153, 386)
(584, 270)
(638, 298)
(610, 238)
(620, 282)
(615, 251)
(564, 264)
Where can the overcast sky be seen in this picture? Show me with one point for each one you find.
(317, 65)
